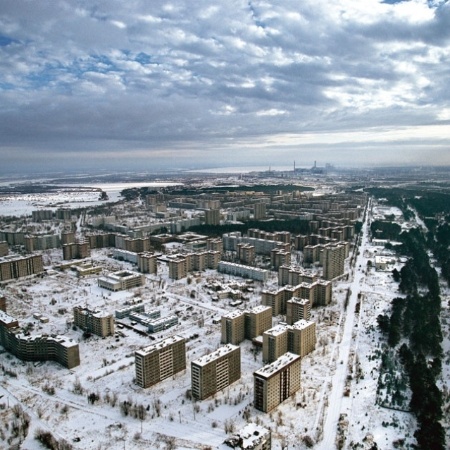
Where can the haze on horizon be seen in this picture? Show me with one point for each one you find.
(151, 85)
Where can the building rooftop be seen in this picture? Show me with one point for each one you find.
(162, 319)
(277, 330)
(6, 318)
(299, 301)
(248, 438)
(233, 314)
(302, 324)
(272, 368)
(159, 345)
(226, 349)
(260, 308)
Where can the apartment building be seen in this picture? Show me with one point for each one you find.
(322, 292)
(297, 309)
(302, 337)
(254, 273)
(275, 343)
(294, 276)
(212, 217)
(246, 253)
(96, 322)
(41, 214)
(39, 347)
(4, 249)
(78, 250)
(177, 268)
(136, 245)
(181, 265)
(333, 261)
(160, 361)
(318, 293)
(67, 237)
(101, 240)
(276, 382)
(41, 242)
(121, 280)
(233, 328)
(262, 246)
(247, 324)
(214, 244)
(12, 237)
(259, 211)
(12, 267)
(275, 298)
(216, 371)
(125, 255)
(279, 257)
(299, 338)
(257, 320)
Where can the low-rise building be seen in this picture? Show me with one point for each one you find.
(254, 273)
(121, 280)
(251, 437)
(163, 323)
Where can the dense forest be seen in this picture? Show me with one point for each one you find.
(269, 189)
(294, 226)
(413, 327)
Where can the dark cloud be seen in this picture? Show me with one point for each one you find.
(122, 83)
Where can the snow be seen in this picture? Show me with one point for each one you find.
(339, 378)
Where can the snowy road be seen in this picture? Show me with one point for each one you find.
(337, 403)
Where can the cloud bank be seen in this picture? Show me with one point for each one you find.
(143, 85)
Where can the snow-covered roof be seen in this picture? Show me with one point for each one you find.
(159, 345)
(226, 349)
(270, 369)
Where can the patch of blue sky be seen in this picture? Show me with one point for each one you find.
(50, 73)
(40, 79)
(258, 22)
(6, 86)
(6, 40)
(144, 58)
(393, 2)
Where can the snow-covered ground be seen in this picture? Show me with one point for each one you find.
(67, 196)
(339, 379)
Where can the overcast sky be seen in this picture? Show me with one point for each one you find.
(142, 84)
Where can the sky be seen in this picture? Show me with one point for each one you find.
(148, 85)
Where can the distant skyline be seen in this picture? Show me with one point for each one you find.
(145, 86)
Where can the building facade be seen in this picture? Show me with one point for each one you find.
(297, 309)
(96, 322)
(276, 382)
(121, 280)
(12, 267)
(216, 371)
(248, 324)
(160, 361)
(38, 347)
(299, 338)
